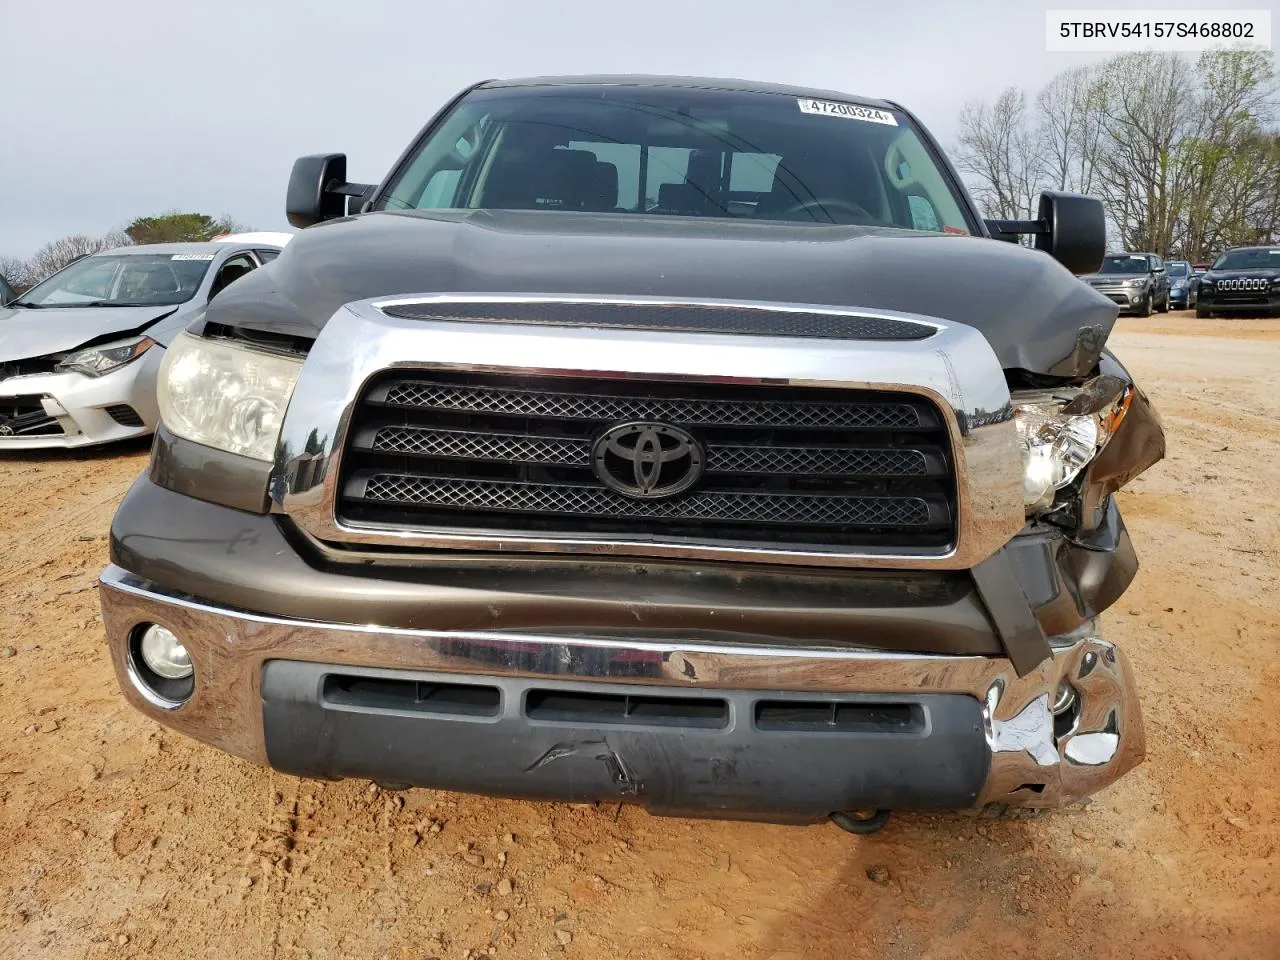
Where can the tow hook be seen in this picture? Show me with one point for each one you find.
(861, 821)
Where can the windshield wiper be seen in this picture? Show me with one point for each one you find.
(114, 303)
(23, 303)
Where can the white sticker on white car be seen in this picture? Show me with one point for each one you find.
(192, 256)
(850, 111)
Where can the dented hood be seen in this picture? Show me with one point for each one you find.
(27, 333)
(1034, 313)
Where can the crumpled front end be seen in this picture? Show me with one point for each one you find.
(53, 410)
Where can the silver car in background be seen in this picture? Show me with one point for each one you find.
(80, 352)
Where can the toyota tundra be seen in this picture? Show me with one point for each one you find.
(691, 443)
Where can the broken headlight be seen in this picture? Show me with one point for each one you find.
(95, 361)
(1060, 431)
(225, 395)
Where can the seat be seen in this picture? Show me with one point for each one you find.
(686, 199)
(829, 174)
(603, 194)
(227, 276)
(540, 178)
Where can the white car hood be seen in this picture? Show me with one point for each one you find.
(27, 333)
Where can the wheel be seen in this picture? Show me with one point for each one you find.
(1145, 309)
(860, 821)
(1164, 305)
(1202, 312)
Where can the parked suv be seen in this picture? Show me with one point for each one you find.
(1242, 280)
(1138, 282)
(1183, 284)
(690, 443)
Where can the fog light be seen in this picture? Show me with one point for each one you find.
(1134, 298)
(164, 655)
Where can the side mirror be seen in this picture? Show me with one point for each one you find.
(1070, 228)
(318, 189)
(1075, 231)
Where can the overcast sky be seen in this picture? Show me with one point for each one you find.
(127, 108)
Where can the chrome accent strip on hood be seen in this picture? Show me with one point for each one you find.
(955, 368)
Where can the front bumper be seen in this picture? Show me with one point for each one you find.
(1258, 304)
(81, 408)
(756, 730)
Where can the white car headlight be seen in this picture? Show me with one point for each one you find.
(95, 361)
(226, 395)
(1060, 431)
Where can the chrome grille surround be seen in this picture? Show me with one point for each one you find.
(954, 368)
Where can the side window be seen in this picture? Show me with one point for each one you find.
(752, 172)
(923, 215)
(231, 270)
(1156, 264)
(439, 192)
(266, 256)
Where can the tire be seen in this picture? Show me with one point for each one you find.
(1202, 313)
(1145, 309)
(1164, 305)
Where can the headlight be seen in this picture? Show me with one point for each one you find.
(1134, 283)
(1061, 431)
(95, 361)
(225, 395)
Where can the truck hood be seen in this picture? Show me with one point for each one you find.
(1035, 314)
(26, 333)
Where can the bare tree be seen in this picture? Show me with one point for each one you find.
(1001, 155)
(1228, 160)
(55, 255)
(14, 271)
(1070, 128)
(1147, 111)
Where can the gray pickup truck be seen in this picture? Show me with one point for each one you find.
(684, 442)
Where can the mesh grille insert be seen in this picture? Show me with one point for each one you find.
(497, 454)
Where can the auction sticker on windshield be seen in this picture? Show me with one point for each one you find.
(192, 256)
(850, 111)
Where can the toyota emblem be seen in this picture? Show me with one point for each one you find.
(647, 460)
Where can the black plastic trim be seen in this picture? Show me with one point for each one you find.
(732, 768)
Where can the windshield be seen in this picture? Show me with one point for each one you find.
(671, 151)
(1178, 268)
(119, 280)
(1261, 258)
(1127, 263)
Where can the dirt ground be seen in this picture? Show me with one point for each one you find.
(119, 839)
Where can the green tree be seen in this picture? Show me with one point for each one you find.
(177, 227)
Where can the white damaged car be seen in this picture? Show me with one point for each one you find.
(79, 353)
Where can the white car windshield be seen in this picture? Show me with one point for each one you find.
(677, 151)
(122, 280)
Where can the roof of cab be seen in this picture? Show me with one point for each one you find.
(701, 83)
(212, 246)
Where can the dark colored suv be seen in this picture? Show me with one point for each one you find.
(691, 443)
(1137, 282)
(1243, 280)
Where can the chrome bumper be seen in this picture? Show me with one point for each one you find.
(1031, 765)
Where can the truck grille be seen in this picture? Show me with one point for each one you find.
(462, 452)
